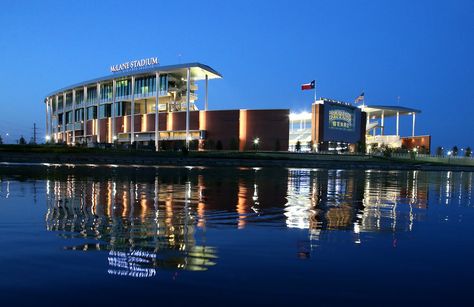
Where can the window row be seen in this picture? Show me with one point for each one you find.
(122, 108)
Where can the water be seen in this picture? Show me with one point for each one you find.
(232, 236)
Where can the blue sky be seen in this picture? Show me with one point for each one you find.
(419, 50)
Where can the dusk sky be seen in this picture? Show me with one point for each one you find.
(420, 51)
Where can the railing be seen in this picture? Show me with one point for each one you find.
(462, 160)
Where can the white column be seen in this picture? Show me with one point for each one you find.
(64, 118)
(56, 134)
(188, 93)
(382, 122)
(74, 117)
(157, 112)
(205, 93)
(398, 123)
(114, 94)
(98, 117)
(47, 117)
(84, 133)
(374, 131)
(50, 118)
(413, 127)
(132, 117)
(367, 122)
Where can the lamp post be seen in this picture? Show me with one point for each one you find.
(256, 141)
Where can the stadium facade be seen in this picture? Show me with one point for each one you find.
(143, 103)
(121, 109)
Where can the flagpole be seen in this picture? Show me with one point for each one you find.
(315, 92)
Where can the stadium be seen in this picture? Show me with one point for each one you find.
(122, 108)
(144, 104)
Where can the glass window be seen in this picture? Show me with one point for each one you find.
(105, 110)
(79, 96)
(91, 113)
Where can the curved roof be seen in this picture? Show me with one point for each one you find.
(198, 72)
(377, 110)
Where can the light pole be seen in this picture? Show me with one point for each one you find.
(256, 141)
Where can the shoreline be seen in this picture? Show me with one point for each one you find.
(220, 159)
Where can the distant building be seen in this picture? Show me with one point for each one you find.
(340, 126)
(121, 108)
(376, 128)
(331, 125)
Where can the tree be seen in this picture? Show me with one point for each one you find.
(454, 151)
(468, 152)
(298, 146)
(22, 141)
(1, 140)
(439, 151)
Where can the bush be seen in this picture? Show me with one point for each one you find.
(298, 146)
(219, 145)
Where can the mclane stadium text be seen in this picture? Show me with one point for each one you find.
(134, 64)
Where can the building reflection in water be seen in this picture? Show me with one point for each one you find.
(144, 226)
(157, 219)
(366, 201)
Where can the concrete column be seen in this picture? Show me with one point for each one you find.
(84, 137)
(413, 125)
(64, 118)
(98, 117)
(47, 118)
(50, 118)
(114, 98)
(157, 113)
(205, 93)
(74, 117)
(382, 123)
(374, 131)
(56, 134)
(132, 117)
(398, 123)
(188, 100)
(367, 122)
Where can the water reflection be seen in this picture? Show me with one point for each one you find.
(143, 225)
(151, 219)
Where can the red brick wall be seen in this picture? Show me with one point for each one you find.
(221, 126)
(269, 126)
(89, 127)
(178, 120)
(317, 123)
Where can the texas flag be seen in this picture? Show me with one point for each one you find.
(308, 86)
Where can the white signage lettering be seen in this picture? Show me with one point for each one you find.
(135, 64)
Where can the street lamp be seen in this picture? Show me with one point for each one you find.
(256, 141)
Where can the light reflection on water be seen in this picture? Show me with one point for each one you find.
(148, 220)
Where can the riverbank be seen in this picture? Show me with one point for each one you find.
(97, 156)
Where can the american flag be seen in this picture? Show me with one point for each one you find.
(359, 98)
